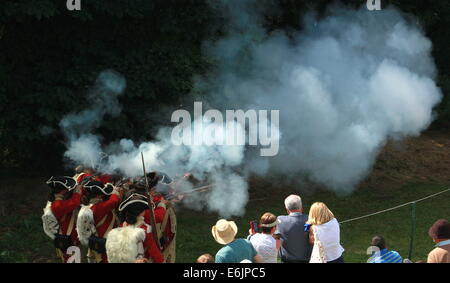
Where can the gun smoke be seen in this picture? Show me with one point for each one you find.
(344, 86)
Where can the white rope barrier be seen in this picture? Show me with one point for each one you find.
(393, 208)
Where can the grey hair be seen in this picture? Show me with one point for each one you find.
(293, 202)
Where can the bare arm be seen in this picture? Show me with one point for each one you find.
(257, 259)
(278, 244)
(311, 236)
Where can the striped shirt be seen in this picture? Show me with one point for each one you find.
(385, 256)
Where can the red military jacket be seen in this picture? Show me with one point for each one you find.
(159, 211)
(63, 211)
(151, 250)
(104, 178)
(102, 209)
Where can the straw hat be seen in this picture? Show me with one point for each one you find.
(224, 231)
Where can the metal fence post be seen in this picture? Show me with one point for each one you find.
(413, 229)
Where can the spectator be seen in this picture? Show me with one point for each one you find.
(205, 258)
(325, 230)
(440, 233)
(235, 250)
(264, 243)
(295, 247)
(382, 255)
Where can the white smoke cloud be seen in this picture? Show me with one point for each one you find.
(344, 86)
(84, 150)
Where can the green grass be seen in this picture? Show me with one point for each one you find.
(195, 238)
(22, 238)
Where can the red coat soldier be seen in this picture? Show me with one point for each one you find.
(59, 219)
(133, 241)
(97, 218)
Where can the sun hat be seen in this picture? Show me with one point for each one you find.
(224, 231)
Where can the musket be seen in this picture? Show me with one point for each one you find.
(121, 182)
(196, 190)
(151, 206)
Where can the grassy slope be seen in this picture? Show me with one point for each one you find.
(195, 236)
(22, 238)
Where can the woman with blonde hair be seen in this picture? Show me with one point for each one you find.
(324, 234)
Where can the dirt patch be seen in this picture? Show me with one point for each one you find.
(23, 196)
(424, 158)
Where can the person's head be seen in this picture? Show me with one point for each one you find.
(96, 190)
(268, 223)
(60, 187)
(79, 169)
(319, 214)
(293, 203)
(224, 231)
(89, 170)
(205, 258)
(440, 231)
(84, 169)
(133, 207)
(379, 242)
(139, 184)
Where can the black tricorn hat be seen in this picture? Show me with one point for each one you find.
(133, 198)
(164, 178)
(153, 178)
(140, 183)
(106, 189)
(62, 183)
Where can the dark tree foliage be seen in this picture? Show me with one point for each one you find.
(51, 56)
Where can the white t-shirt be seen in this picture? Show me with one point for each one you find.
(266, 247)
(329, 234)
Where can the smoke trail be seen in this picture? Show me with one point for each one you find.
(83, 147)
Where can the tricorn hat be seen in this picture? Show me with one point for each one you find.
(62, 183)
(133, 198)
(163, 178)
(106, 189)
